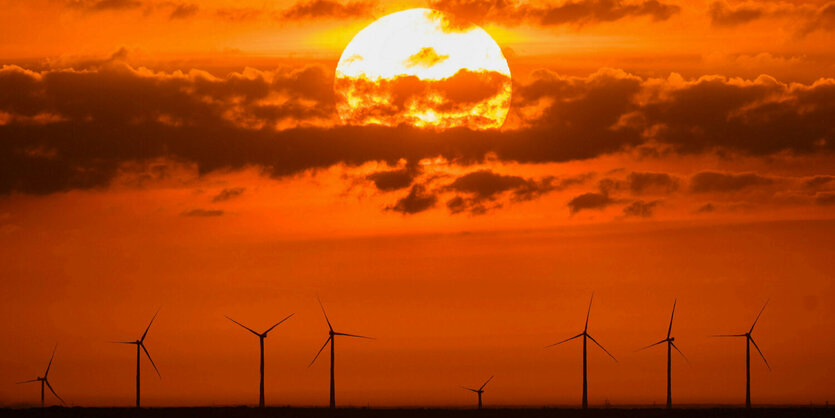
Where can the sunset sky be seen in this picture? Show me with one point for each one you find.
(460, 202)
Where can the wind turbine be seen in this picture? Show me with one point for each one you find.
(140, 344)
(670, 344)
(331, 339)
(586, 337)
(748, 341)
(479, 391)
(261, 339)
(44, 380)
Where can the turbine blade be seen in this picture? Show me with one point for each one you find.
(651, 345)
(353, 335)
(485, 383)
(474, 390)
(670, 330)
(566, 340)
(27, 381)
(758, 317)
(320, 351)
(761, 353)
(245, 327)
(607, 352)
(123, 342)
(588, 313)
(149, 358)
(50, 361)
(149, 326)
(53, 391)
(279, 323)
(679, 351)
(326, 314)
(729, 335)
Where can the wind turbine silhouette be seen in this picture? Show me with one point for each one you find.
(479, 391)
(331, 339)
(44, 380)
(261, 339)
(140, 343)
(585, 336)
(748, 341)
(670, 344)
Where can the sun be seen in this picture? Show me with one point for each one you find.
(424, 68)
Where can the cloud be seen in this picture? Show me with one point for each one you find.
(590, 201)
(335, 9)
(227, 194)
(479, 191)
(823, 20)
(238, 14)
(418, 200)
(67, 129)
(819, 181)
(706, 208)
(709, 181)
(203, 213)
(572, 12)
(183, 10)
(659, 183)
(641, 209)
(426, 57)
(103, 5)
(721, 14)
(758, 117)
(825, 198)
(641, 183)
(389, 180)
(806, 17)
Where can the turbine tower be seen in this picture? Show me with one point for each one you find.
(140, 344)
(44, 380)
(331, 339)
(748, 341)
(261, 339)
(670, 345)
(586, 336)
(479, 391)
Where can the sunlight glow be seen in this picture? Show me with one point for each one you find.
(412, 67)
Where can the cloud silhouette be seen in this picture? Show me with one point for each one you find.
(69, 129)
(103, 5)
(183, 11)
(825, 198)
(571, 12)
(228, 194)
(721, 14)
(388, 180)
(709, 181)
(203, 213)
(316, 9)
(590, 200)
(418, 200)
(479, 191)
(641, 209)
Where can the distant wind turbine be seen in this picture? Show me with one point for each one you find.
(261, 339)
(331, 339)
(479, 391)
(140, 344)
(44, 380)
(586, 336)
(748, 341)
(670, 344)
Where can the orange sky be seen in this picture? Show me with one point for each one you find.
(189, 155)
